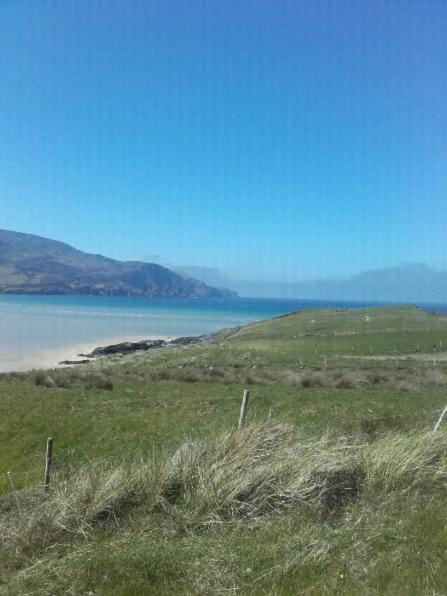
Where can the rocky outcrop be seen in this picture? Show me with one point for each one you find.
(129, 347)
(126, 348)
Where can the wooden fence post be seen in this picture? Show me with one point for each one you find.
(244, 407)
(48, 460)
(440, 420)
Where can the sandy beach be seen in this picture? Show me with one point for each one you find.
(45, 358)
(41, 331)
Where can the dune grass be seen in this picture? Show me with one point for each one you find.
(342, 490)
(330, 497)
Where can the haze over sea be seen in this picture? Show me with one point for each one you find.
(30, 324)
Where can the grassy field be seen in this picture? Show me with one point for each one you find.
(336, 485)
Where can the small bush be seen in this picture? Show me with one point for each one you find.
(374, 425)
(159, 375)
(377, 377)
(345, 382)
(350, 381)
(436, 377)
(64, 382)
(192, 376)
(43, 379)
(336, 487)
(313, 379)
(294, 379)
(98, 382)
(405, 387)
(249, 377)
(216, 373)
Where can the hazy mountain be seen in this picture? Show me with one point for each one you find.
(403, 283)
(30, 264)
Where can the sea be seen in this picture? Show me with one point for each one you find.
(29, 323)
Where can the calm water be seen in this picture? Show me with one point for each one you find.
(28, 323)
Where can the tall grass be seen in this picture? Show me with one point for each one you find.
(249, 474)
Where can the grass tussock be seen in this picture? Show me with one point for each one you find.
(300, 377)
(242, 475)
(72, 377)
(97, 495)
(248, 370)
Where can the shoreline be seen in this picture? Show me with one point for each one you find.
(48, 358)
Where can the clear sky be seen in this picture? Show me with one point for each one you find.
(272, 139)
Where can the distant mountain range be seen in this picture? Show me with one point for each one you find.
(410, 282)
(30, 264)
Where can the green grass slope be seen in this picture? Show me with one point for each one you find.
(336, 485)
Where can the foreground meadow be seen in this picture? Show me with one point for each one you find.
(337, 483)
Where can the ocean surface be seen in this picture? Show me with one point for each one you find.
(29, 323)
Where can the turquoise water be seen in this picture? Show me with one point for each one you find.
(28, 323)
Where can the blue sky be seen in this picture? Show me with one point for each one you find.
(272, 139)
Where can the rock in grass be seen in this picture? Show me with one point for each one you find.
(185, 453)
(43, 379)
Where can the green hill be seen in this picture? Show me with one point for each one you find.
(337, 483)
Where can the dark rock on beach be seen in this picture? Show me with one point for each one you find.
(129, 347)
(69, 362)
(126, 347)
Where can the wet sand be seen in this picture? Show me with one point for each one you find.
(45, 358)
